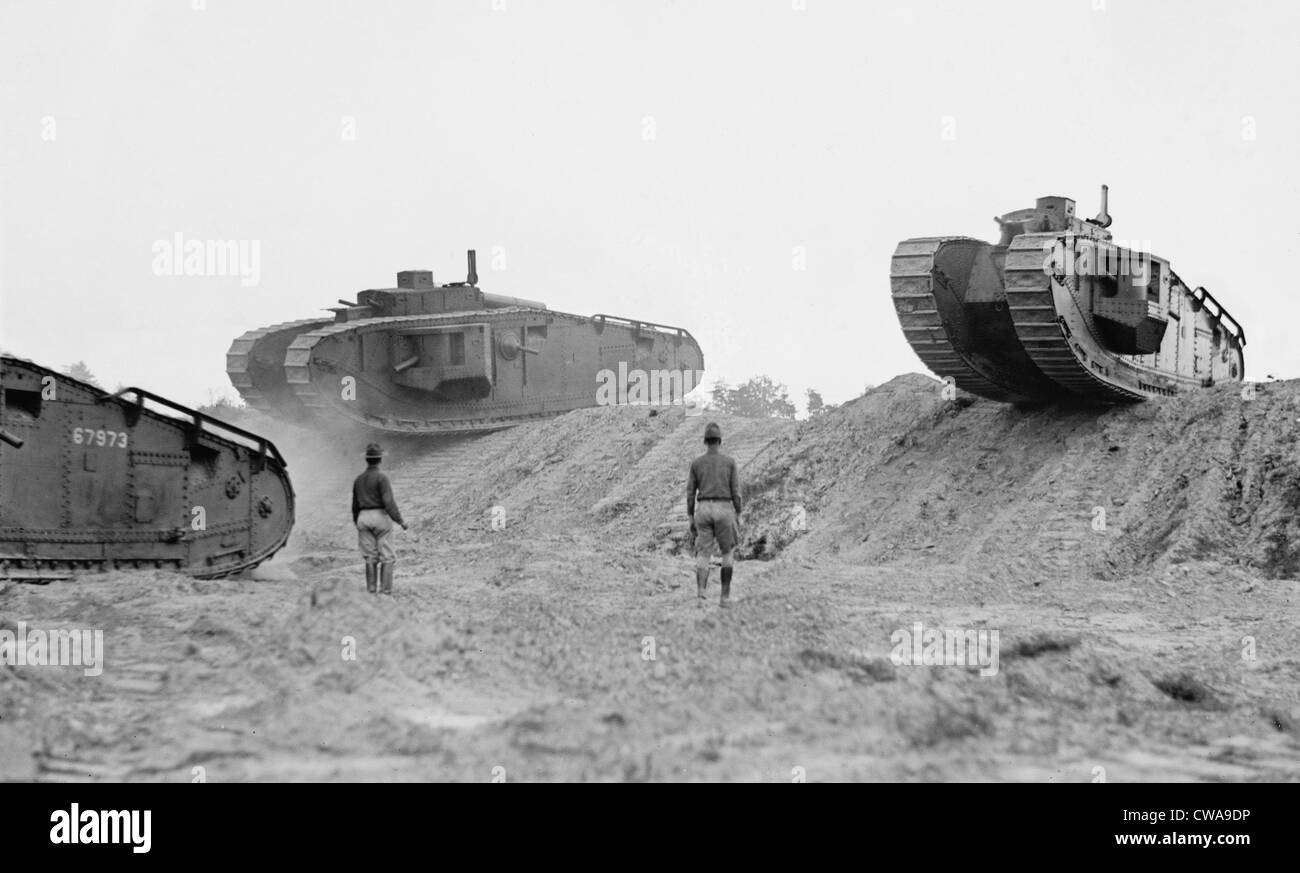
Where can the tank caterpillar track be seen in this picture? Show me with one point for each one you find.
(39, 570)
(255, 364)
(1062, 334)
(938, 333)
(1033, 302)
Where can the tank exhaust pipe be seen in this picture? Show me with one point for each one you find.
(1103, 218)
(472, 277)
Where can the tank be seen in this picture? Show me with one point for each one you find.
(97, 481)
(423, 358)
(1058, 310)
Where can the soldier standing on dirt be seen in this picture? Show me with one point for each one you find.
(373, 512)
(717, 481)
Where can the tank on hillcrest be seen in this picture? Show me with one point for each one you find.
(97, 481)
(429, 358)
(1058, 310)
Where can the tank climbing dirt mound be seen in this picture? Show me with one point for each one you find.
(97, 481)
(1058, 311)
(423, 358)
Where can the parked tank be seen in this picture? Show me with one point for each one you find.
(96, 481)
(426, 358)
(1055, 310)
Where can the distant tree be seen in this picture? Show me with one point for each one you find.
(817, 406)
(760, 397)
(81, 372)
(219, 405)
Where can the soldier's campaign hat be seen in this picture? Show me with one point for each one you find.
(374, 451)
(712, 431)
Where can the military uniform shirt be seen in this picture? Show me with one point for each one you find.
(715, 477)
(372, 491)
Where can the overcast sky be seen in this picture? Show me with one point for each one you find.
(677, 162)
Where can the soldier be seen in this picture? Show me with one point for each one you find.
(373, 512)
(717, 481)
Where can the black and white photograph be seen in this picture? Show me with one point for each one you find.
(675, 391)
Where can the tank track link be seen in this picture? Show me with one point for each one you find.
(241, 352)
(1032, 302)
(911, 280)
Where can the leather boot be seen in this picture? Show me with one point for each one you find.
(372, 578)
(386, 579)
(701, 583)
(725, 601)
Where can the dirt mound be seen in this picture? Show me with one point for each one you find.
(617, 473)
(903, 474)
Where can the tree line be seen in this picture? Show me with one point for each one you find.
(764, 397)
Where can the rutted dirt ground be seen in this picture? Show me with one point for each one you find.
(1139, 565)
